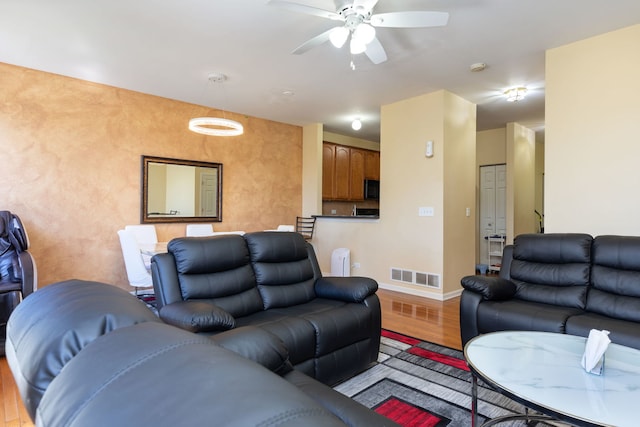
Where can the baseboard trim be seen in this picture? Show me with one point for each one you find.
(420, 292)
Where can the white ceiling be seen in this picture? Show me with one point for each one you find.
(168, 48)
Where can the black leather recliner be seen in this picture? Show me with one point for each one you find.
(91, 354)
(18, 274)
(330, 325)
(560, 282)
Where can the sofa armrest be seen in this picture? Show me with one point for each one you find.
(490, 287)
(258, 345)
(197, 316)
(349, 289)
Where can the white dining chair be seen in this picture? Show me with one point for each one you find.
(199, 230)
(144, 234)
(138, 273)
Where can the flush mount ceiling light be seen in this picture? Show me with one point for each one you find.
(216, 126)
(356, 124)
(515, 93)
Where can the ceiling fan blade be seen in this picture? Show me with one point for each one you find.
(410, 19)
(311, 43)
(375, 52)
(295, 7)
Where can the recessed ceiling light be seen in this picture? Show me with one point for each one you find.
(356, 124)
(288, 92)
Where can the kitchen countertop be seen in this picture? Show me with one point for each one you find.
(349, 216)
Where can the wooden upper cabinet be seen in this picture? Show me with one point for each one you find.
(342, 173)
(344, 170)
(357, 174)
(372, 165)
(328, 171)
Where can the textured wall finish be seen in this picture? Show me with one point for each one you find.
(71, 168)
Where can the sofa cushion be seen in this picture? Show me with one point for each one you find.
(615, 277)
(620, 331)
(258, 345)
(217, 269)
(283, 269)
(522, 315)
(552, 268)
(197, 316)
(298, 335)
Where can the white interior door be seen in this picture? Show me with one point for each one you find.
(493, 205)
(208, 194)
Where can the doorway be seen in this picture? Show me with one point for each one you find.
(493, 213)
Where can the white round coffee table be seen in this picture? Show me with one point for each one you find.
(542, 371)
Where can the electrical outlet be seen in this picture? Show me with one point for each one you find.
(356, 265)
(333, 211)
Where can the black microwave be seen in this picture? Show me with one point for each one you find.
(372, 189)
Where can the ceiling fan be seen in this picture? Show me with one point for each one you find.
(359, 24)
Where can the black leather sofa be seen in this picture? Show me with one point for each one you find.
(565, 283)
(271, 280)
(91, 354)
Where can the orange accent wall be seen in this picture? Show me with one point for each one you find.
(71, 151)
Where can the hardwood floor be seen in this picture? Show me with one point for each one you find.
(418, 317)
(423, 318)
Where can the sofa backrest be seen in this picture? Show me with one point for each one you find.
(51, 326)
(552, 268)
(615, 277)
(216, 269)
(285, 267)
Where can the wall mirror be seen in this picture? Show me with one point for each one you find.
(180, 191)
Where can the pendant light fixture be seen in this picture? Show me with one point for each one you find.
(216, 126)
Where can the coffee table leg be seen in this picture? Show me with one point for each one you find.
(474, 401)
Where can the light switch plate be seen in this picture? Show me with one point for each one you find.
(425, 211)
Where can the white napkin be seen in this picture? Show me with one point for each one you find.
(593, 357)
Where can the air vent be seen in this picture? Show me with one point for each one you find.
(419, 278)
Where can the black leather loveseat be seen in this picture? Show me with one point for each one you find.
(88, 354)
(271, 280)
(565, 283)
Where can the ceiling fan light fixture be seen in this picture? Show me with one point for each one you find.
(339, 36)
(356, 46)
(515, 94)
(364, 33)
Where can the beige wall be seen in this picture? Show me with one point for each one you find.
(592, 127)
(409, 180)
(491, 148)
(71, 168)
(521, 184)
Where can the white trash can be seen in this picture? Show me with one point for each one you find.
(341, 262)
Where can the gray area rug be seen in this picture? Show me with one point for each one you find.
(417, 383)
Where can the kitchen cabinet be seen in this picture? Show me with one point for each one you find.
(344, 170)
(328, 170)
(372, 165)
(342, 173)
(356, 166)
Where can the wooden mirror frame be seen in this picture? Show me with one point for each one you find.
(174, 215)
